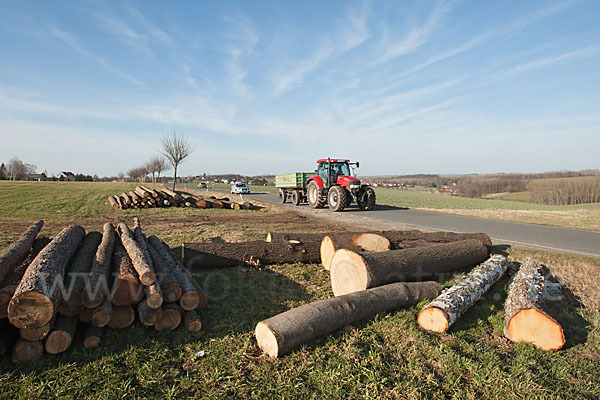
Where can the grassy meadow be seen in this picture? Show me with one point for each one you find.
(387, 357)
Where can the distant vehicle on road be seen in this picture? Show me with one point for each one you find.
(239, 187)
(202, 184)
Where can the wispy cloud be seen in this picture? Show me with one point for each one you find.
(151, 29)
(74, 44)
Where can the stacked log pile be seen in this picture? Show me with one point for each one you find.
(144, 197)
(99, 280)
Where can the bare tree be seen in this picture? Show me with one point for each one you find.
(17, 169)
(175, 148)
(121, 176)
(156, 165)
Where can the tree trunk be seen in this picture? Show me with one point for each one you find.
(169, 286)
(26, 352)
(77, 275)
(141, 263)
(281, 333)
(192, 295)
(399, 238)
(192, 321)
(441, 313)
(38, 294)
(357, 242)
(525, 320)
(102, 314)
(93, 336)
(121, 317)
(14, 277)
(16, 252)
(174, 176)
(351, 271)
(148, 316)
(36, 334)
(220, 255)
(61, 336)
(126, 288)
(170, 317)
(100, 270)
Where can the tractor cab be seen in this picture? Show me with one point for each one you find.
(336, 172)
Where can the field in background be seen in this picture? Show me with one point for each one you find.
(388, 357)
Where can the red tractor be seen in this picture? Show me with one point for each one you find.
(333, 184)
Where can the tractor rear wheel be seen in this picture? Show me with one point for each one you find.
(337, 198)
(282, 196)
(366, 199)
(296, 197)
(315, 200)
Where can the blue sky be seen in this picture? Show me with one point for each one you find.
(270, 86)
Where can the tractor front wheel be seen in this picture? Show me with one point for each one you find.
(315, 200)
(366, 199)
(337, 198)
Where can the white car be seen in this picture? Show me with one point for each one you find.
(239, 187)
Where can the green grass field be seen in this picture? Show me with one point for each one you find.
(387, 357)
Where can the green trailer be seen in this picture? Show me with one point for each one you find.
(293, 186)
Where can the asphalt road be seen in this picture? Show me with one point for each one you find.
(522, 235)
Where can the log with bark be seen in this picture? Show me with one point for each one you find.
(141, 262)
(192, 321)
(77, 275)
(169, 286)
(93, 336)
(399, 239)
(192, 294)
(221, 255)
(126, 199)
(35, 334)
(26, 352)
(98, 289)
(148, 316)
(61, 336)
(442, 312)
(170, 317)
(352, 271)
(121, 317)
(142, 193)
(357, 242)
(281, 333)
(16, 252)
(113, 202)
(126, 287)
(102, 314)
(525, 320)
(171, 193)
(154, 296)
(38, 294)
(14, 277)
(301, 237)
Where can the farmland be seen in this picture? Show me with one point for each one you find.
(386, 357)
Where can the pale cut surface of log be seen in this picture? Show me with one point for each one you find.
(61, 336)
(170, 317)
(16, 252)
(97, 290)
(26, 352)
(525, 319)
(148, 316)
(35, 334)
(93, 336)
(113, 202)
(154, 297)
(77, 275)
(102, 314)
(348, 240)
(38, 294)
(126, 287)
(141, 262)
(281, 333)
(192, 321)
(14, 277)
(192, 295)
(121, 317)
(442, 312)
(351, 271)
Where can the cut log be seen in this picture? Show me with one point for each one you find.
(14, 277)
(525, 319)
(120, 202)
(61, 336)
(113, 202)
(301, 237)
(26, 352)
(102, 314)
(281, 333)
(357, 242)
(148, 316)
(217, 204)
(441, 313)
(152, 192)
(135, 198)
(126, 199)
(221, 255)
(398, 238)
(98, 289)
(126, 287)
(142, 193)
(36, 334)
(154, 297)
(141, 262)
(170, 317)
(192, 321)
(16, 252)
(38, 294)
(169, 286)
(121, 317)
(85, 315)
(8, 337)
(192, 295)
(351, 271)
(77, 276)
(171, 193)
(204, 203)
(93, 336)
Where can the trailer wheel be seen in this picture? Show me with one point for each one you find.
(366, 199)
(296, 197)
(337, 198)
(282, 196)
